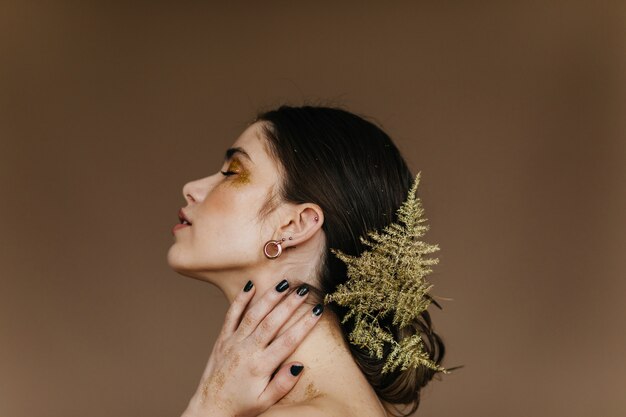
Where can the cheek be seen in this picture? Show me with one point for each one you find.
(230, 213)
(229, 201)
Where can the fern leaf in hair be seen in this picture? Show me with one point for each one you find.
(387, 279)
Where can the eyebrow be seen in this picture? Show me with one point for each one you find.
(232, 151)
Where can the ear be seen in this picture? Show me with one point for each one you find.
(299, 223)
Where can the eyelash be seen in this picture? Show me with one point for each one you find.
(228, 173)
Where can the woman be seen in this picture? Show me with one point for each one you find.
(296, 183)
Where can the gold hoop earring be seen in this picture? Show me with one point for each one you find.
(275, 253)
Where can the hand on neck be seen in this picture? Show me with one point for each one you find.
(298, 265)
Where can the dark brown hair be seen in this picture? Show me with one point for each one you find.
(354, 172)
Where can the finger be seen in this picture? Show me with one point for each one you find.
(284, 380)
(233, 315)
(285, 344)
(261, 308)
(276, 319)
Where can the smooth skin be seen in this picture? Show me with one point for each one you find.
(265, 330)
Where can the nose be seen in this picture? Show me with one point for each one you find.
(189, 198)
(193, 191)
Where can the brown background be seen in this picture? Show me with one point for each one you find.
(510, 112)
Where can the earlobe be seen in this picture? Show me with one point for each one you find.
(273, 248)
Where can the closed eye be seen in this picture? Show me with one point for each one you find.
(233, 168)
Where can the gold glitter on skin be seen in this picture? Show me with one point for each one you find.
(242, 176)
(311, 392)
(219, 381)
(205, 391)
(214, 384)
(234, 363)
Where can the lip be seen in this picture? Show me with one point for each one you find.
(181, 217)
(178, 227)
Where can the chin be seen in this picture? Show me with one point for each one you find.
(183, 265)
(176, 260)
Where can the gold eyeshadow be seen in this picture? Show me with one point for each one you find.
(242, 175)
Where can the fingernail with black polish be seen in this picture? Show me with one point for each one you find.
(302, 290)
(282, 286)
(317, 310)
(296, 369)
(248, 286)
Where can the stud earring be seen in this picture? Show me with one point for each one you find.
(316, 218)
(273, 248)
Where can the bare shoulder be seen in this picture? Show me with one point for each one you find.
(306, 410)
(321, 407)
(316, 407)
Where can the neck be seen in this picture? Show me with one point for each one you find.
(296, 265)
(324, 351)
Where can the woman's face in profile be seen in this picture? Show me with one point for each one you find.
(226, 231)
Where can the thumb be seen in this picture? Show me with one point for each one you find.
(284, 380)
